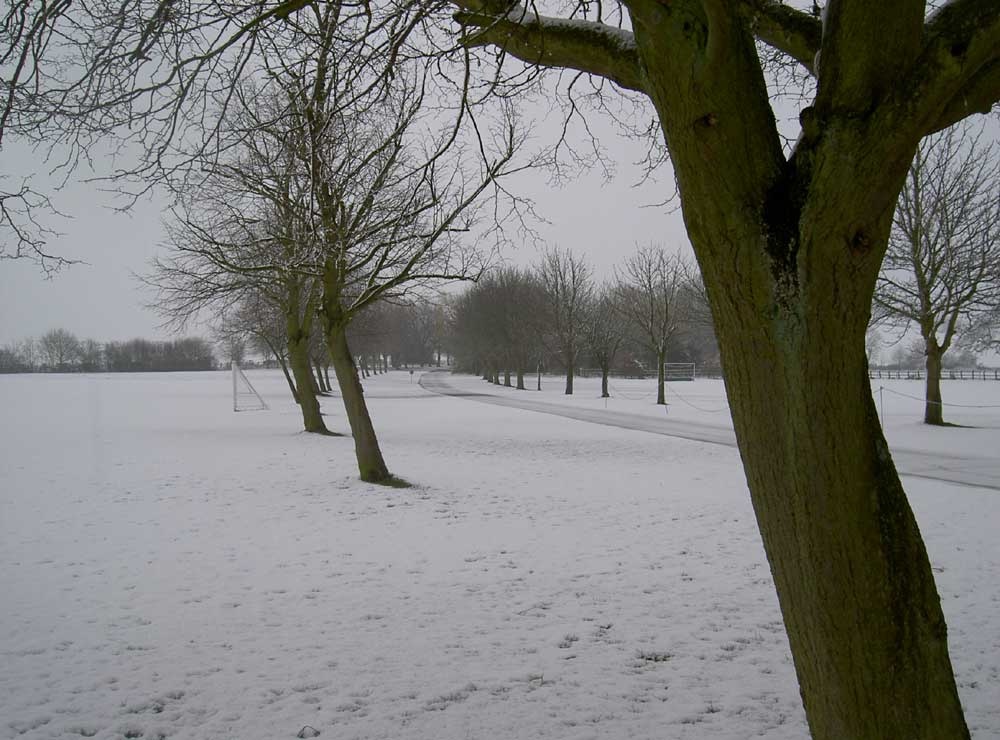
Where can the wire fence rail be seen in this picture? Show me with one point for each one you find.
(981, 373)
(883, 389)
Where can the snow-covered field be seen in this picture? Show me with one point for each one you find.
(170, 569)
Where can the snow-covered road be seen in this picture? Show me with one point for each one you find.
(969, 470)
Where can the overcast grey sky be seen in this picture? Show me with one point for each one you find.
(102, 300)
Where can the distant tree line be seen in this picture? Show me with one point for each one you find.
(59, 351)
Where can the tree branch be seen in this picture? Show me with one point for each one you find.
(960, 64)
(588, 46)
(797, 34)
(867, 48)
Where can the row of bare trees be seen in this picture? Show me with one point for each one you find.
(59, 350)
(556, 314)
(384, 335)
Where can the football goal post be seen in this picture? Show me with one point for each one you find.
(245, 396)
(678, 371)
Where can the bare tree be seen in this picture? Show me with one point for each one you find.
(237, 256)
(651, 288)
(60, 349)
(940, 271)
(350, 197)
(607, 329)
(384, 217)
(263, 322)
(567, 282)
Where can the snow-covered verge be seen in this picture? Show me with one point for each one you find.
(171, 569)
(972, 405)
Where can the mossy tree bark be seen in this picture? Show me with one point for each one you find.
(371, 465)
(298, 358)
(299, 317)
(790, 249)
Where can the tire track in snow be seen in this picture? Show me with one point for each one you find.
(973, 471)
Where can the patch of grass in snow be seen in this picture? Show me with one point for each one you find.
(654, 656)
(441, 703)
(82, 731)
(568, 641)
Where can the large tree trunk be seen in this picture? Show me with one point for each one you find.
(933, 408)
(298, 359)
(790, 246)
(855, 585)
(520, 379)
(370, 463)
(790, 251)
(506, 378)
(605, 371)
(570, 372)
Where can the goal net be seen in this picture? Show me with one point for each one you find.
(245, 396)
(678, 371)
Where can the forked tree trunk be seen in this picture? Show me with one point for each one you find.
(790, 251)
(371, 466)
(298, 359)
(933, 408)
(661, 380)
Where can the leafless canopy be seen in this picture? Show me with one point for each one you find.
(941, 268)
(333, 172)
(156, 80)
